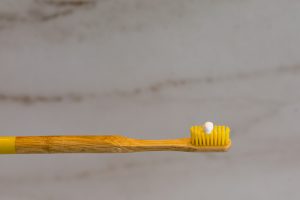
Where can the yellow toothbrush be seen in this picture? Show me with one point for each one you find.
(203, 138)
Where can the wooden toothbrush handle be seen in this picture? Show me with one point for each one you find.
(97, 144)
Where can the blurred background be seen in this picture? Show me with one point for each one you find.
(151, 69)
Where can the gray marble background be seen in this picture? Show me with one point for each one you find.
(151, 69)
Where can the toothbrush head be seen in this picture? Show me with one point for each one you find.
(210, 136)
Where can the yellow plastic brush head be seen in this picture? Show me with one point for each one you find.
(219, 136)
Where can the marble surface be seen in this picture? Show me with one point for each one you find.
(151, 69)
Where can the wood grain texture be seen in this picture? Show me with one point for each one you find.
(104, 144)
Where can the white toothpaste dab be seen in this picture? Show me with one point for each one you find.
(208, 127)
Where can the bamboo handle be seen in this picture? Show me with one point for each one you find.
(88, 144)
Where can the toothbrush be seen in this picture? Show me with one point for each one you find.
(204, 138)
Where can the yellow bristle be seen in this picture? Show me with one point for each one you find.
(200, 136)
(215, 138)
(220, 136)
(227, 131)
(203, 137)
(219, 141)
